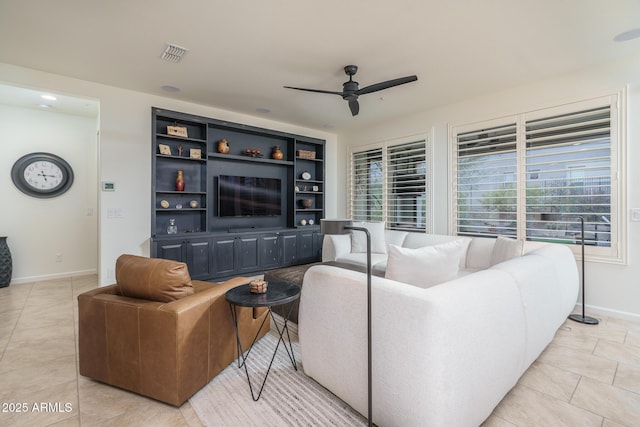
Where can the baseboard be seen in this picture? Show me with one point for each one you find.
(67, 274)
(623, 315)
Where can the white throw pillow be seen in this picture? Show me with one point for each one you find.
(359, 239)
(506, 248)
(426, 266)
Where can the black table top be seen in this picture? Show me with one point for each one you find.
(277, 293)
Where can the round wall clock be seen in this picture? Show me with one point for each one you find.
(42, 175)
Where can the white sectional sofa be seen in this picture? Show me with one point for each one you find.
(445, 355)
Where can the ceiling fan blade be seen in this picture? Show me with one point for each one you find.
(314, 90)
(354, 107)
(385, 85)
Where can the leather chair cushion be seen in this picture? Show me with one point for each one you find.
(152, 278)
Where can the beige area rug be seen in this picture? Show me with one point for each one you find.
(289, 398)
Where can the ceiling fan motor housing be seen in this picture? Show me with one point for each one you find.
(349, 90)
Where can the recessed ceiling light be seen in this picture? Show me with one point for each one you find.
(49, 97)
(627, 35)
(169, 88)
(263, 110)
(46, 106)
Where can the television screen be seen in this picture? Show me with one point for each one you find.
(248, 196)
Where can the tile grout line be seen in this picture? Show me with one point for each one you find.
(75, 344)
(585, 409)
(15, 326)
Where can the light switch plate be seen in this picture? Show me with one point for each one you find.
(635, 214)
(115, 213)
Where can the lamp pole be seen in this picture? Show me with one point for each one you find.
(576, 317)
(341, 226)
(369, 370)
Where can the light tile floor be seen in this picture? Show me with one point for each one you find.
(588, 375)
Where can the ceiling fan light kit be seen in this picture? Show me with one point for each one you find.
(351, 91)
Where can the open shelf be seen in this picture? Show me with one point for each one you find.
(249, 159)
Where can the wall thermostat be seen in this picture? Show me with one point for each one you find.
(108, 186)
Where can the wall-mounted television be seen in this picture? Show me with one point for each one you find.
(249, 196)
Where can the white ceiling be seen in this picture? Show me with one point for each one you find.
(241, 53)
(35, 99)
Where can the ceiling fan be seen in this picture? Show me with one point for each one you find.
(350, 91)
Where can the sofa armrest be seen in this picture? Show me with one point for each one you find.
(335, 246)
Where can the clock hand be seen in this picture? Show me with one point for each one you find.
(44, 175)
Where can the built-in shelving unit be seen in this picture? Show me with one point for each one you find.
(218, 246)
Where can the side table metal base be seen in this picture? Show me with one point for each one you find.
(242, 358)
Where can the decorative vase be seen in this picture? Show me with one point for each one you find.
(172, 228)
(223, 146)
(306, 203)
(180, 181)
(6, 263)
(277, 153)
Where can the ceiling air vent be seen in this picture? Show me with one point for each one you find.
(173, 53)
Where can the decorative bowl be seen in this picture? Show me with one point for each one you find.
(306, 203)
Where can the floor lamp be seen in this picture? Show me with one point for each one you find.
(344, 226)
(577, 317)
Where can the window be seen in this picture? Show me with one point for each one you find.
(366, 186)
(535, 175)
(390, 183)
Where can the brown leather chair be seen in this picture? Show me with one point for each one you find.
(157, 333)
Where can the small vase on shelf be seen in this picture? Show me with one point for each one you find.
(223, 146)
(172, 228)
(277, 153)
(180, 181)
(6, 263)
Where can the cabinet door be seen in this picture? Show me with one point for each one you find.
(318, 239)
(248, 254)
(289, 248)
(305, 245)
(170, 249)
(223, 254)
(269, 251)
(199, 258)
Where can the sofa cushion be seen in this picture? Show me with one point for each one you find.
(479, 253)
(426, 266)
(359, 239)
(395, 237)
(152, 278)
(506, 248)
(418, 240)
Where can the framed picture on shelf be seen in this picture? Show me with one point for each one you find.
(195, 153)
(164, 149)
(177, 131)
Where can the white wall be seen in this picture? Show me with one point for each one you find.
(39, 229)
(125, 156)
(613, 288)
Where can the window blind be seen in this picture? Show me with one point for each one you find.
(366, 186)
(568, 175)
(486, 184)
(406, 186)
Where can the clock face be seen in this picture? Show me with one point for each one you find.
(42, 175)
